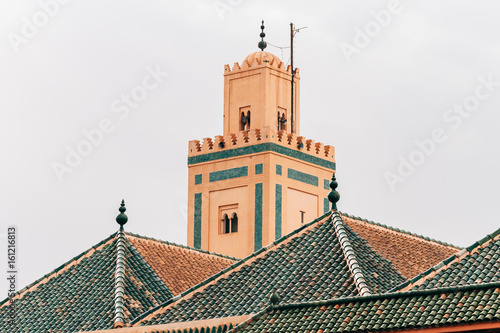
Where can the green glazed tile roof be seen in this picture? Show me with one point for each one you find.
(306, 265)
(81, 295)
(381, 313)
(476, 264)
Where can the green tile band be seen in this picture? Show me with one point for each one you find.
(198, 179)
(277, 228)
(326, 204)
(326, 184)
(197, 221)
(228, 174)
(279, 170)
(258, 168)
(268, 146)
(303, 177)
(258, 217)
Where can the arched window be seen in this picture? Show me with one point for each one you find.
(234, 223)
(248, 120)
(225, 224)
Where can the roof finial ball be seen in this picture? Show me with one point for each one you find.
(333, 195)
(121, 219)
(262, 44)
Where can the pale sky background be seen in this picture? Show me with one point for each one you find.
(64, 79)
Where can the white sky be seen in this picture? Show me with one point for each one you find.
(65, 77)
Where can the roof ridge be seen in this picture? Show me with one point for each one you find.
(21, 292)
(400, 230)
(447, 262)
(229, 268)
(350, 255)
(180, 245)
(119, 278)
(374, 297)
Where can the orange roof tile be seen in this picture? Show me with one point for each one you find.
(411, 254)
(179, 267)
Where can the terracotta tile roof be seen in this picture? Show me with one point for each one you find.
(321, 260)
(476, 264)
(410, 253)
(80, 294)
(217, 325)
(179, 267)
(466, 305)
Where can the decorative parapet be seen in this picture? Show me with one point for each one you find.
(257, 62)
(256, 136)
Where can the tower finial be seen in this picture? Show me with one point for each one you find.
(334, 196)
(262, 44)
(121, 219)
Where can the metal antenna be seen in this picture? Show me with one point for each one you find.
(293, 31)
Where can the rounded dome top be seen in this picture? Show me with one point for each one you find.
(262, 57)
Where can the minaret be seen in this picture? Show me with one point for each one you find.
(259, 180)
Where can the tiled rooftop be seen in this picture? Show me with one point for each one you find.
(80, 294)
(476, 264)
(410, 253)
(469, 305)
(179, 267)
(306, 265)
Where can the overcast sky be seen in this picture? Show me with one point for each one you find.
(376, 78)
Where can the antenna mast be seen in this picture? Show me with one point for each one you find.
(293, 72)
(292, 34)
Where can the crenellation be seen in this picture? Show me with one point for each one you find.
(233, 139)
(257, 136)
(260, 60)
(242, 137)
(319, 147)
(310, 145)
(217, 143)
(207, 145)
(194, 147)
(253, 136)
(281, 135)
(329, 151)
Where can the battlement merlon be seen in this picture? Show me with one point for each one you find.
(256, 65)
(255, 137)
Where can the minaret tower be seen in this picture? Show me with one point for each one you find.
(259, 180)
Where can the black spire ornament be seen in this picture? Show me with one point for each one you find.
(121, 219)
(262, 44)
(333, 195)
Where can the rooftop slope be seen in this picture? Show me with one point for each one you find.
(476, 264)
(179, 267)
(463, 290)
(410, 253)
(80, 294)
(476, 306)
(315, 262)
